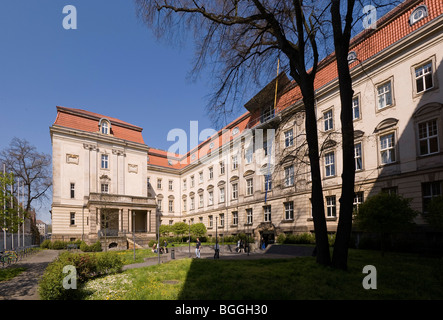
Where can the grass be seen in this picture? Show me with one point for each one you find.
(10, 273)
(399, 276)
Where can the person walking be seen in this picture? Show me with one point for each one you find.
(198, 248)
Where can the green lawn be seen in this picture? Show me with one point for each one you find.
(399, 276)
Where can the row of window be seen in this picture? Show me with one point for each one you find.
(423, 81)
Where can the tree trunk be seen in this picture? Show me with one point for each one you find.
(341, 42)
(318, 211)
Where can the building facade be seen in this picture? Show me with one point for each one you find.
(253, 176)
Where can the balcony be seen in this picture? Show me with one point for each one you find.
(120, 200)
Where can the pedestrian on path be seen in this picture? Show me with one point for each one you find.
(198, 248)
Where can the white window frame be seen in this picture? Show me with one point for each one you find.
(235, 191)
(422, 73)
(329, 159)
(250, 186)
(72, 218)
(104, 187)
(331, 207)
(234, 162)
(387, 148)
(289, 138)
(356, 108)
(105, 161)
(210, 198)
(289, 210)
(171, 205)
(358, 156)
(328, 120)
(222, 194)
(431, 134)
(385, 94)
(289, 176)
(234, 218)
(170, 185)
(249, 216)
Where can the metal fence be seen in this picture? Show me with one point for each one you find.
(13, 241)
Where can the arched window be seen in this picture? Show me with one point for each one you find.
(419, 13)
(105, 126)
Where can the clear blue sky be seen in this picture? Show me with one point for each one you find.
(111, 64)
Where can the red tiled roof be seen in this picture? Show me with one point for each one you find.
(89, 121)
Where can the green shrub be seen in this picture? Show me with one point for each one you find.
(46, 244)
(87, 266)
(96, 247)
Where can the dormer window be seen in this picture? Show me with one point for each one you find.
(105, 126)
(419, 13)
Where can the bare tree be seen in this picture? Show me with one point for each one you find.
(32, 167)
(247, 37)
(243, 39)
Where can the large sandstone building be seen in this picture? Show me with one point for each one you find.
(252, 177)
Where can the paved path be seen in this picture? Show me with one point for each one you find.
(25, 285)
(272, 252)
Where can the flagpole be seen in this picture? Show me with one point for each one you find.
(18, 212)
(23, 205)
(4, 207)
(12, 207)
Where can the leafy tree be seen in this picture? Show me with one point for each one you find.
(198, 229)
(9, 218)
(165, 230)
(180, 228)
(385, 214)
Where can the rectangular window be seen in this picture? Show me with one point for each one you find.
(192, 181)
(384, 95)
(210, 198)
(289, 176)
(184, 184)
(222, 167)
(234, 218)
(267, 212)
(358, 200)
(211, 173)
(159, 183)
(222, 219)
(289, 138)
(171, 206)
(330, 206)
(200, 200)
(249, 187)
(390, 190)
(184, 204)
(330, 164)
(355, 108)
(430, 190)
(222, 194)
(159, 204)
(192, 203)
(428, 137)
(72, 219)
(249, 216)
(387, 148)
(105, 161)
(328, 121)
(289, 210)
(423, 77)
(200, 177)
(248, 155)
(234, 162)
(211, 221)
(234, 191)
(268, 182)
(105, 188)
(358, 157)
(170, 185)
(72, 190)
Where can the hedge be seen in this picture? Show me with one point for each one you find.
(88, 266)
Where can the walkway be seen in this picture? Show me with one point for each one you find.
(272, 252)
(25, 285)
